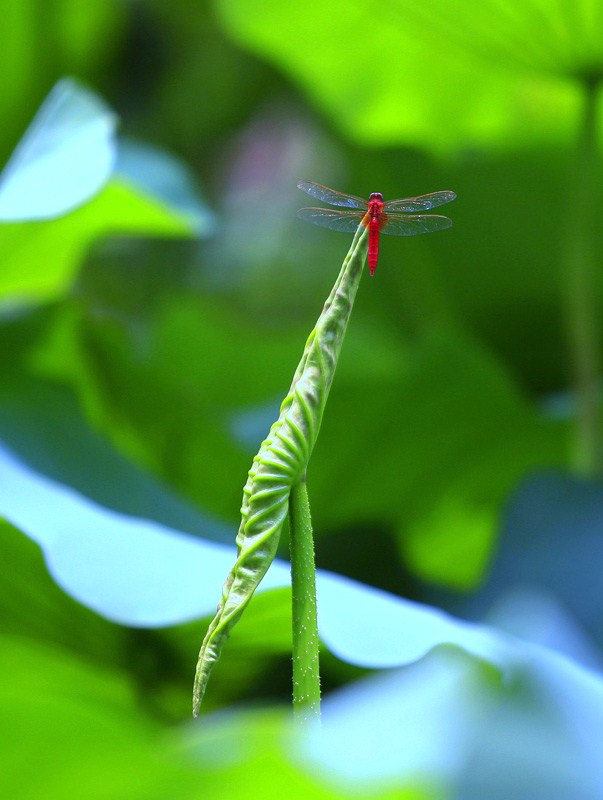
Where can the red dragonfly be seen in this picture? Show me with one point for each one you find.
(378, 216)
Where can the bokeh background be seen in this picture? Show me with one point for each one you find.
(149, 335)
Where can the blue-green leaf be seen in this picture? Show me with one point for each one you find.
(64, 159)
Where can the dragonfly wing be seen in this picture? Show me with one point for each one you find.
(330, 196)
(424, 202)
(414, 225)
(344, 221)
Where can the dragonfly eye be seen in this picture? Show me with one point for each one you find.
(376, 196)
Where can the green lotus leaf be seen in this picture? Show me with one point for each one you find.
(443, 74)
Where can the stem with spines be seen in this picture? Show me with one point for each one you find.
(306, 675)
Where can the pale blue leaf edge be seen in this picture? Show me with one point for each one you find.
(64, 158)
(141, 573)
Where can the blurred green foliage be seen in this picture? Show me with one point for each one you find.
(124, 337)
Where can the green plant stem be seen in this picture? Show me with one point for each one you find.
(580, 269)
(306, 676)
(277, 472)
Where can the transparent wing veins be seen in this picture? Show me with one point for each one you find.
(414, 225)
(424, 202)
(330, 196)
(343, 221)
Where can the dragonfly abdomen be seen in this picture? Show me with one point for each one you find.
(373, 248)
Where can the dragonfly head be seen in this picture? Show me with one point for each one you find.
(376, 196)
